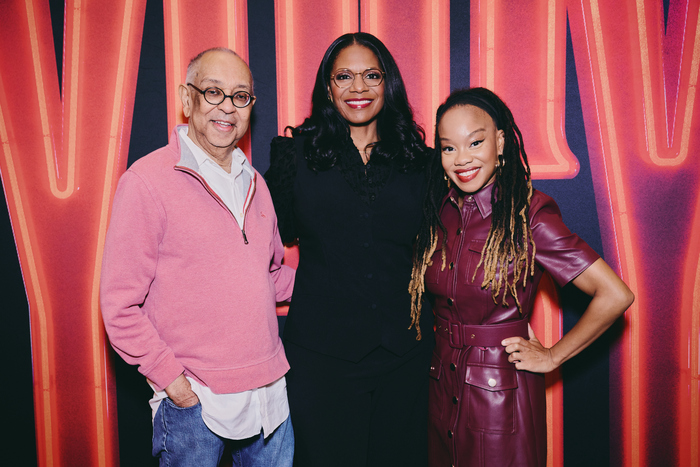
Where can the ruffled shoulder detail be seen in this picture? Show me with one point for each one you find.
(280, 180)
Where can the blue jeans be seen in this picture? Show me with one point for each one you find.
(181, 439)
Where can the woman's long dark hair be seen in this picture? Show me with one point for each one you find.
(401, 140)
(510, 238)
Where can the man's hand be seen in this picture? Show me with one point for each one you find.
(180, 392)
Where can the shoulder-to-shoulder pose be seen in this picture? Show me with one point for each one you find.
(487, 240)
(349, 185)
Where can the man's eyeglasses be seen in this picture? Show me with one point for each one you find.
(345, 78)
(216, 96)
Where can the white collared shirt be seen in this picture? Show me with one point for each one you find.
(243, 414)
(232, 187)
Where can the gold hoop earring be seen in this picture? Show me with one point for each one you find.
(449, 182)
(501, 162)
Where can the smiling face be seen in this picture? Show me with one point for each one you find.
(359, 104)
(217, 128)
(470, 144)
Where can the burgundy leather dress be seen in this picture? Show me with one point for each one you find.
(484, 412)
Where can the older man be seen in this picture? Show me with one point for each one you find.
(190, 276)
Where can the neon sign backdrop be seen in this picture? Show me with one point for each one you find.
(63, 150)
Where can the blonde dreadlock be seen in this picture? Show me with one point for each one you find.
(417, 285)
(499, 252)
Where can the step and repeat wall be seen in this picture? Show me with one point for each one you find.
(605, 94)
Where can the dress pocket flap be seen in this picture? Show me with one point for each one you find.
(435, 367)
(476, 245)
(492, 378)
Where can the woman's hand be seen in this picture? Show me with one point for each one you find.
(529, 355)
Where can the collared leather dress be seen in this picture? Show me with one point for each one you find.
(482, 411)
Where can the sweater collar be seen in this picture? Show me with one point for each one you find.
(187, 159)
(191, 161)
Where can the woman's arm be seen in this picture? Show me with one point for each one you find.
(611, 297)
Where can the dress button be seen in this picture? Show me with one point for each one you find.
(369, 276)
(492, 382)
(449, 433)
(373, 306)
(450, 302)
(452, 264)
(366, 245)
(454, 399)
(459, 231)
(453, 367)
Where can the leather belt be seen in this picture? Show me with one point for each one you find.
(480, 335)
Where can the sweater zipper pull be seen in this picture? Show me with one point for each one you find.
(245, 239)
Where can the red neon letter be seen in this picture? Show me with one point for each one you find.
(60, 160)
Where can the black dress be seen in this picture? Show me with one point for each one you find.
(358, 380)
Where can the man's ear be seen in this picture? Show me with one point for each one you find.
(186, 100)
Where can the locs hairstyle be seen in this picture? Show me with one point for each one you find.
(401, 140)
(510, 235)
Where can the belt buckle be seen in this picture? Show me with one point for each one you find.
(456, 335)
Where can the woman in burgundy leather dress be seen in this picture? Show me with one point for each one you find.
(486, 242)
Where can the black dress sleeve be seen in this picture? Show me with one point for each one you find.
(280, 180)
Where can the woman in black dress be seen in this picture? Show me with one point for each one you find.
(349, 186)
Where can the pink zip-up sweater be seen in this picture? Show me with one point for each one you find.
(183, 287)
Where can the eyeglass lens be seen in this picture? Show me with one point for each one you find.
(216, 96)
(345, 78)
